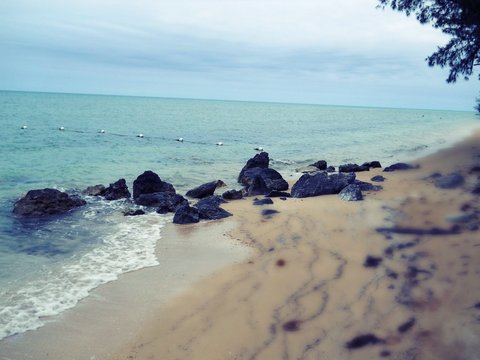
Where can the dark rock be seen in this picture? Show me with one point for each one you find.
(475, 168)
(210, 201)
(320, 165)
(269, 212)
(117, 190)
(133, 212)
(232, 195)
(372, 164)
(148, 183)
(363, 340)
(272, 178)
(321, 184)
(276, 193)
(205, 190)
(96, 190)
(260, 202)
(331, 169)
(257, 187)
(208, 208)
(450, 181)
(292, 325)
(168, 202)
(399, 166)
(378, 178)
(258, 161)
(352, 168)
(365, 186)
(406, 326)
(44, 202)
(385, 353)
(283, 198)
(372, 261)
(351, 192)
(186, 215)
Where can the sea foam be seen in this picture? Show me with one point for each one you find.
(129, 245)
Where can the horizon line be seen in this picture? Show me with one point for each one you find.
(231, 100)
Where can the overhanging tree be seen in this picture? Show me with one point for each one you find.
(458, 18)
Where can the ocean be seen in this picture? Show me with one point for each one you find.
(49, 265)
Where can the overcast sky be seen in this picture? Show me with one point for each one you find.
(344, 52)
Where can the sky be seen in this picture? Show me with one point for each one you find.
(334, 52)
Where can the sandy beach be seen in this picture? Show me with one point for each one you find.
(393, 276)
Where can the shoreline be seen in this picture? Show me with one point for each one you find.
(307, 293)
(101, 298)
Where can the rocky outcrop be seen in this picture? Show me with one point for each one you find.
(166, 202)
(272, 178)
(205, 190)
(232, 195)
(186, 215)
(352, 168)
(450, 181)
(148, 183)
(307, 169)
(44, 202)
(321, 184)
(209, 208)
(331, 169)
(258, 161)
(117, 190)
(351, 193)
(95, 190)
(399, 166)
(257, 187)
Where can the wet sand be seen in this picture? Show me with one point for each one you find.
(113, 313)
(311, 291)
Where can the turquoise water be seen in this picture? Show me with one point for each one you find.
(48, 266)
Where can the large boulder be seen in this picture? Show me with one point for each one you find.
(258, 161)
(321, 184)
(272, 178)
(148, 183)
(117, 190)
(186, 215)
(257, 187)
(205, 190)
(209, 208)
(353, 168)
(372, 164)
(165, 201)
(46, 202)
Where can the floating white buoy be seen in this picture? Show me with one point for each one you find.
(180, 139)
(23, 127)
(102, 131)
(61, 128)
(259, 148)
(140, 135)
(219, 144)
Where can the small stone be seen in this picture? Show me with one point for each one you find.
(261, 202)
(378, 178)
(372, 261)
(450, 181)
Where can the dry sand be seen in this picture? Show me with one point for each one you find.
(306, 294)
